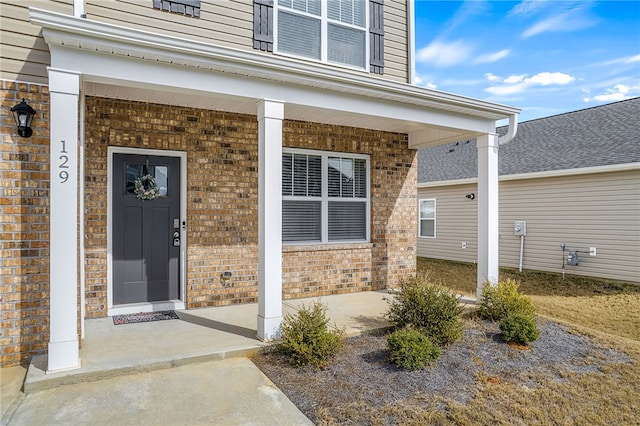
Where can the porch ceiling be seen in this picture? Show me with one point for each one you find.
(129, 64)
(236, 104)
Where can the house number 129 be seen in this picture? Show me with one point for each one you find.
(64, 159)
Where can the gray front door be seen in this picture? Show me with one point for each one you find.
(146, 256)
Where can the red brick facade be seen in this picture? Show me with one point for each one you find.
(222, 209)
(24, 221)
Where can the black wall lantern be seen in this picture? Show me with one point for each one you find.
(23, 114)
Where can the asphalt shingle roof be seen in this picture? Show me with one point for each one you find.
(598, 136)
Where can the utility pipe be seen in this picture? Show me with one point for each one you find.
(521, 250)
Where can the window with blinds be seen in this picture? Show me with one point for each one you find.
(336, 33)
(325, 197)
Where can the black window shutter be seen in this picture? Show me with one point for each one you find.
(183, 7)
(376, 36)
(263, 25)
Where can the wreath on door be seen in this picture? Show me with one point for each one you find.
(146, 188)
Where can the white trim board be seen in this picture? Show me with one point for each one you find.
(151, 306)
(539, 175)
(86, 33)
(207, 76)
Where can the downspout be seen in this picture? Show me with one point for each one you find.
(511, 133)
(78, 9)
(411, 42)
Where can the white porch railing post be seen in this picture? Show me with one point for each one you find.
(488, 213)
(270, 116)
(64, 88)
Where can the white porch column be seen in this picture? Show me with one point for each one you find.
(64, 88)
(270, 115)
(488, 232)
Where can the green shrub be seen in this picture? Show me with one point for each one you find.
(306, 338)
(519, 329)
(504, 300)
(410, 349)
(431, 308)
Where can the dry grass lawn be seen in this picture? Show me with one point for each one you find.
(606, 393)
(606, 310)
(607, 306)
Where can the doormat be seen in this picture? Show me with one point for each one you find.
(144, 317)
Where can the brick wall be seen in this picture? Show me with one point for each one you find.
(390, 256)
(24, 221)
(222, 211)
(222, 193)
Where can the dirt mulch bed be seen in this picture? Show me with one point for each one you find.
(360, 386)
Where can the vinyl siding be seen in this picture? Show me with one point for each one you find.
(456, 218)
(229, 23)
(598, 210)
(396, 43)
(24, 56)
(226, 23)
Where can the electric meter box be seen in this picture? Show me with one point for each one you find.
(519, 228)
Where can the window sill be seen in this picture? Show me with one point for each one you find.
(294, 248)
(327, 64)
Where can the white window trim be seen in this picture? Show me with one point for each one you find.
(420, 219)
(324, 20)
(325, 197)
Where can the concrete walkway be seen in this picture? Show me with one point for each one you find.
(189, 371)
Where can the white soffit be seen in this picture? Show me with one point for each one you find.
(129, 64)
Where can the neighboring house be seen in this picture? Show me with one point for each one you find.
(282, 136)
(573, 178)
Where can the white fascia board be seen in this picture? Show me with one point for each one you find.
(83, 33)
(123, 70)
(538, 175)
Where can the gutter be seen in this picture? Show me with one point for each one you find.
(539, 175)
(511, 133)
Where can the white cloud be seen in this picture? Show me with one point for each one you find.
(624, 60)
(555, 23)
(513, 79)
(560, 16)
(466, 11)
(547, 78)
(492, 57)
(520, 83)
(619, 92)
(506, 90)
(423, 82)
(527, 7)
(443, 54)
(492, 77)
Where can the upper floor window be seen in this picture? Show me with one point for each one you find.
(330, 31)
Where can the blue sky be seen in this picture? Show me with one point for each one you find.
(544, 56)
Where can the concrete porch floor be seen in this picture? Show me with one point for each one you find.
(200, 335)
